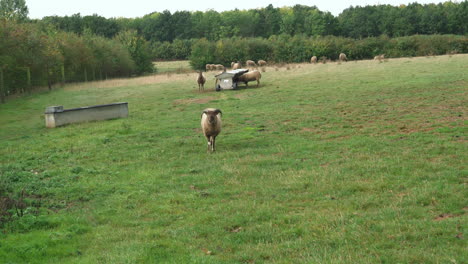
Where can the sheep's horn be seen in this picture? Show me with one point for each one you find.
(218, 111)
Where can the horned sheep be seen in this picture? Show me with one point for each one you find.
(211, 125)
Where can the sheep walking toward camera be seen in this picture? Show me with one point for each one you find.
(201, 81)
(250, 76)
(342, 57)
(313, 59)
(211, 125)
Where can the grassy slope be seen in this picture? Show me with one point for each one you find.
(349, 163)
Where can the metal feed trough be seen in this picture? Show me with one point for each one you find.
(228, 80)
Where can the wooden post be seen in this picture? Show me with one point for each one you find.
(2, 87)
(85, 75)
(49, 81)
(62, 69)
(28, 76)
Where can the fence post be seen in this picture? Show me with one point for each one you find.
(28, 76)
(2, 87)
(62, 70)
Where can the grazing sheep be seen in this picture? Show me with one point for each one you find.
(262, 63)
(219, 67)
(237, 65)
(342, 57)
(250, 63)
(211, 125)
(201, 81)
(379, 57)
(313, 59)
(208, 67)
(249, 77)
(232, 64)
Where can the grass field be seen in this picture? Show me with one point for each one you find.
(360, 162)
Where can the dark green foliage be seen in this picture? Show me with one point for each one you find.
(202, 54)
(139, 50)
(354, 22)
(95, 24)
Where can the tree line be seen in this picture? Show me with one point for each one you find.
(354, 22)
(33, 55)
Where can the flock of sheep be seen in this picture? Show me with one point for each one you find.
(250, 76)
(211, 117)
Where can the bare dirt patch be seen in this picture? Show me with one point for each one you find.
(194, 100)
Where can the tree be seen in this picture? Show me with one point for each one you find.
(139, 50)
(13, 10)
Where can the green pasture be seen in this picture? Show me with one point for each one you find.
(358, 162)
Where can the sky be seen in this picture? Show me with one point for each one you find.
(139, 8)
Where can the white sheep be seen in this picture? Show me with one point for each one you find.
(262, 63)
(211, 125)
(201, 81)
(313, 59)
(342, 57)
(250, 76)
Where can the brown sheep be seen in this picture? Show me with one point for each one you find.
(250, 63)
(262, 63)
(201, 81)
(342, 57)
(211, 125)
(249, 77)
(219, 67)
(313, 59)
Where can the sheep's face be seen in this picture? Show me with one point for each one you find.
(211, 115)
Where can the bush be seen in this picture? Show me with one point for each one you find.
(299, 48)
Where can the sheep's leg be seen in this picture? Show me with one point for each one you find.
(258, 82)
(209, 143)
(213, 143)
